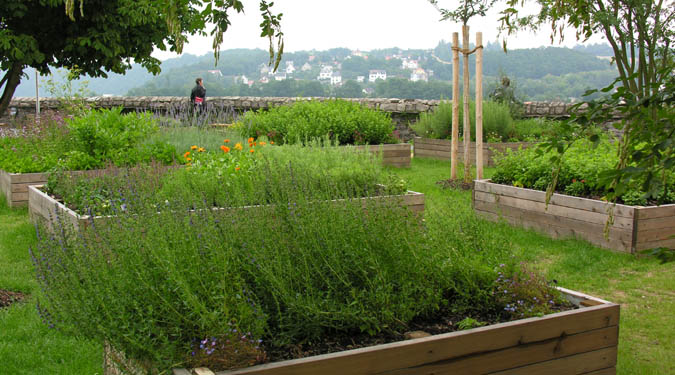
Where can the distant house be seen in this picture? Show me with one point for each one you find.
(244, 80)
(358, 53)
(264, 69)
(264, 79)
(360, 78)
(419, 75)
(368, 90)
(376, 74)
(409, 64)
(326, 72)
(336, 78)
(280, 76)
(216, 72)
(306, 67)
(289, 67)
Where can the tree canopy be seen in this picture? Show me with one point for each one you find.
(99, 36)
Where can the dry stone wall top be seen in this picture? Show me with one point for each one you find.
(247, 103)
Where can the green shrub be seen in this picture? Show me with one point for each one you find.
(344, 121)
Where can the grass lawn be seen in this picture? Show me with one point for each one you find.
(644, 288)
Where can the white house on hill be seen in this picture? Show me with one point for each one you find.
(376, 74)
(419, 75)
(336, 78)
(326, 72)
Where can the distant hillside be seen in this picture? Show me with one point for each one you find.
(545, 72)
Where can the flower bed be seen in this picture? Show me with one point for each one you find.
(580, 341)
(442, 149)
(633, 228)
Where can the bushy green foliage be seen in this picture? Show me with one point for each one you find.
(344, 121)
(579, 174)
(498, 125)
(89, 141)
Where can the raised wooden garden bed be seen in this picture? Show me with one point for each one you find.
(633, 228)
(580, 341)
(441, 149)
(42, 207)
(396, 155)
(14, 186)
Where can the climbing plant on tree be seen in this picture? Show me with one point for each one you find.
(99, 36)
(640, 33)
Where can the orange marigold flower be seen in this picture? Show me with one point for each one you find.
(226, 141)
(271, 142)
(236, 169)
(238, 146)
(250, 140)
(194, 148)
(262, 143)
(225, 149)
(188, 159)
(201, 149)
(186, 154)
(251, 150)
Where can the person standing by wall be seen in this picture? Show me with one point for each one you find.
(198, 96)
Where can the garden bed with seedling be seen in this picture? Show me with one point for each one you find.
(442, 149)
(631, 228)
(579, 341)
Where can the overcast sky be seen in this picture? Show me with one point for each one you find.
(361, 24)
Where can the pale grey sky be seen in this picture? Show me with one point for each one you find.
(361, 24)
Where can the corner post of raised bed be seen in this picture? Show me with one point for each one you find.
(455, 106)
(479, 105)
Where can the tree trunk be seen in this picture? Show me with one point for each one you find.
(12, 78)
(455, 107)
(467, 121)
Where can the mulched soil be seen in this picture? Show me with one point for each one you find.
(443, 323)
(7, 298)
(455, 184)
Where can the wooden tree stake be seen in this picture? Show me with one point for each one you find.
(455, 106)
(467, 120)
(479, 105)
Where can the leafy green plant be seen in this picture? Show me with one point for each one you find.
(340, 120)
(469, 323)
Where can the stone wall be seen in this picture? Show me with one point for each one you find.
(402, 111)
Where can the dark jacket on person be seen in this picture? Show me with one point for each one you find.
(198, 92)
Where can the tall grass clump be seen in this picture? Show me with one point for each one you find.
(498, 125)
(343, 121)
